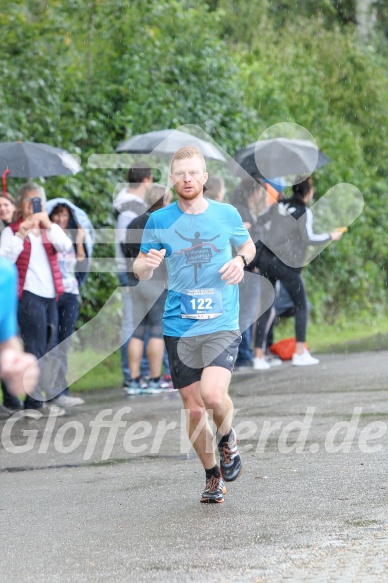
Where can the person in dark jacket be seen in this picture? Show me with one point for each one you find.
(282, 258)
(148, 304)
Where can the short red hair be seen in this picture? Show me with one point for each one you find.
(188, 152)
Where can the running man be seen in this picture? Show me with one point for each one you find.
(200, 322)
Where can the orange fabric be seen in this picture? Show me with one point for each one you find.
(284, 348)
(272, 194)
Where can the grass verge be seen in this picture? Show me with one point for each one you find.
(354, 337)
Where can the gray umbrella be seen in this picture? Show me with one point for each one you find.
(30, 160)
(166, 143)
(280, 157)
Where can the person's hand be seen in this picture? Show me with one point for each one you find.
(41, 218)
(337, 233)
(154, 258)
(19, 369)
(24, 227)
(80, 235)
(233, 271)
(248, 226)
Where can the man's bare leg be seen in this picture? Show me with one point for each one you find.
(201, 436)
(214, 391)
(198, 428)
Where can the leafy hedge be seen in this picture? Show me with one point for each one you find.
(85, 75)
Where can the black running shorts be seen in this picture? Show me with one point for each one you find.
(188, 356)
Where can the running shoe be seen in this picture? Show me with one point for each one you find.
(135, 388)
(167, 379)
(214, 491)
(160, 386)
(230, 459)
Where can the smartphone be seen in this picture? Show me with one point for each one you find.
(36, 204)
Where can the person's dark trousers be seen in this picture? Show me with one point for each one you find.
(67, 316)
(273, 269)
(9, 400)
(245, 354)
(36, 317)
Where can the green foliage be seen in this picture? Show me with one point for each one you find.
(86, 75)
(334, 86)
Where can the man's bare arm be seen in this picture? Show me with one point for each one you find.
(233, 271)
(248, 249)
(145, 263)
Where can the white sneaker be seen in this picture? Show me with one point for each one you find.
(46, 410)
(304, 359)
(274, 360)
(260, 364)
(66, 401)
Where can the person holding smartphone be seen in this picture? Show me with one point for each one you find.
(32, 243)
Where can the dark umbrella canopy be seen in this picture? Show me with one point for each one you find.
(30, 160)
(166, 143)
(280, 157)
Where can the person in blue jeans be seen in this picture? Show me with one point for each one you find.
(128, 204)
(148, 304)
(68, 303)
(33, 243)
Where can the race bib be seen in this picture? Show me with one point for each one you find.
(201, 304)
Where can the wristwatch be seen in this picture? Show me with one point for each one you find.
(243, 258)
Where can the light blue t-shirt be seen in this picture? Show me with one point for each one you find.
(197, 246)
(8, 299)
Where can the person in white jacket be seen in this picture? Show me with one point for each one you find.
(32, 243)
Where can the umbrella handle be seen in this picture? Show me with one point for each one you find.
(4, 178)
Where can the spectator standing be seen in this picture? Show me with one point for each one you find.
(282, 258)
(129, 204)
(68, 303)
(32, 243)
(148, 298)
(7, 210)
(247, 198)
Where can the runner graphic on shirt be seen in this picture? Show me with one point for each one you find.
(200, 251)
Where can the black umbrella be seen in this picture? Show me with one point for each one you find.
(166, 143)
(30, 160)
(280, 157)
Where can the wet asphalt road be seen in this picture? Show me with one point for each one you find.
(111, 492)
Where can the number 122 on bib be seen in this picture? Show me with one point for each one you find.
(201, 304)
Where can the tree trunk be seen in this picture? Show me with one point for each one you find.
(366, 17)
